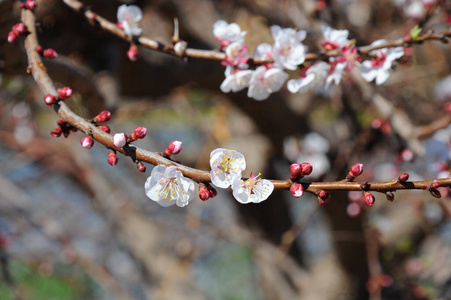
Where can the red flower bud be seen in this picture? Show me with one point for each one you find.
(390, 196)
(369, 199)
(65, 92)
(447, 106)
(132, 53)
(297, 189)
(103, 116)
(56, 132)
(204, 194)
(355, 171)
(295, 171)
(87, 142)
(105, 128)
(173, 148)
(12, 36)
(38, 48)
(323, 197)
(30, 4)
(435, 185)
(403, 177)
(307, 169)
(141, 167)
(20, 28)
(61, 123)
(50, 53)
(212, 191)
(139, 133)
(112, 158)
(49, 99)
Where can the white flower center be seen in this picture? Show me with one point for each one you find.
(253, 185)
(226, 163)
(171, 189)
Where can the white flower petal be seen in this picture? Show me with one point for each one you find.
(226, 166)
(253, 190)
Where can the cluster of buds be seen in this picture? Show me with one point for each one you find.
(29, 4)
(103, 116)
(206, 191)
(63, 93)
(16, 30)
(323, 197)
(174, 147)
(297, 171)
(63, 128)
(355, 171)
(139, 133)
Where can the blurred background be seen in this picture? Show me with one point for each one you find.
(73, 227)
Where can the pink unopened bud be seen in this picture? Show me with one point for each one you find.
(112, 158)
(139, 133)
(355, 171)
(141, 167)
(132, 53)
(103, 116)
(306, 169)
(369, 199)
(87, 142)
(12, 36)
(297, 189)
(65, 92)
(403, 177)
(119, 140)
(173, 148)
(20, 28)
(30, 4)
(50, 53)
(435, 185)
(295, 171)
(204, 194)
(323, 197)
(56, 132)
(38, 48)
(49, 99)
(105, 128)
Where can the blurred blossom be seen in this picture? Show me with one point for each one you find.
(21, 110)
(438, 150)
(265, 81)
(355, 196)
(227, 33)
(442, 89)
(23, 132)
(129, 17)
(314, 142)
(433, 212)
(288, 50)
(385, 172)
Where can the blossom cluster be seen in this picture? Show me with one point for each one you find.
(167, 186)
(288, 53)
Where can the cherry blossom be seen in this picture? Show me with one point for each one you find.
(312, 77)
(128, 17)
(288, 51)
(236, 55)
(334, 39)
(265, 81)
(252, 190)
(235, 80)
(336, 73)
(227, 33)
(379, 68)
(226, 167)
(167, 186)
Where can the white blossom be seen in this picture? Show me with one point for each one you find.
(226, 167)
(288, 51)
(334, 38)
(129, 17)
(236, 55)
(380, 67)
(252, 190)
(235, 80)
(167, 186)
(314, 77)
(265, 81)
(336, 73)
(228, 33)
(263, 50)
